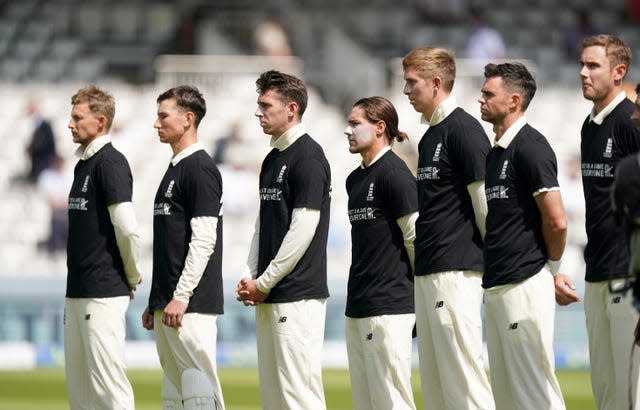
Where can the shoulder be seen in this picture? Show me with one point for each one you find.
(466, 127)
(109, 157)
(309, 153)
(200, 162)
(393, 168)
(531, 146)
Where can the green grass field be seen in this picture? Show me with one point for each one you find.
(45, 389)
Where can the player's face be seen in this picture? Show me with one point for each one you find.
(360, 132)
(494, 101)
(635, 117)
(171, 122)
(275, 115)
(597, 75)
(85, 125)
(420, 91)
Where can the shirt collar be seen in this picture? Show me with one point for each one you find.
(289, 137)
(441, 112)
(185, 153)
(377, 157)
(510, 133)
(93, 147)
(599, 118)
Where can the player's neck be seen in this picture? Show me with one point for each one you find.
(601, 104)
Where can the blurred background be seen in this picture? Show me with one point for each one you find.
(343, 49)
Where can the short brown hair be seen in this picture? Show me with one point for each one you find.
(615, 49)
(516, 78)
(188, 98)
(291, 88)
(430, 62)
(100, 102)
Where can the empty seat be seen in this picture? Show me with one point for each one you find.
(124, 21)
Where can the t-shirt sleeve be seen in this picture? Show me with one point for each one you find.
(470, 148)
(204, 190)
(116, 181)
(537, 162)
(400, 192)
(628, 138)
(308, 184)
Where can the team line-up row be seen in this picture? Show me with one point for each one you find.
(479, 223)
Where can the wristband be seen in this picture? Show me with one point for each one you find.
(554, 266)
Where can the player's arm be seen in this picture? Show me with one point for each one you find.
(407, 224)
(125, 226)
(304, 222)
(201, 246)
(554, 232)
(479, 203)
(302, 228)
(251, 269)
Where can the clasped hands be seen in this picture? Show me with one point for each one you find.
(248, 292)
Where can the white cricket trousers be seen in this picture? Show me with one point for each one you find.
(520, 324)
(379, 350)
(191, 346)
(94, 351)
(289, 338)
(610, 324)
(449, 326)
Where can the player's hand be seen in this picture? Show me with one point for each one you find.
(147, 319)
(565, 290)
(133, 287)
(248, 292)
(173, 313)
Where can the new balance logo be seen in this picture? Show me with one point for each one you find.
(369, 336)
(439, 304)
(282, 319)
(513, 326)
(616, 300)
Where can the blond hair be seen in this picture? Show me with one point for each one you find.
(100, 102)
(615, 49)
(430, 62)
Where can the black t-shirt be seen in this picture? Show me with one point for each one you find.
(380, 278)
(626, 192)
(514, 246)
(451, 156)
(298, 177)
(192, 188)
(95, 268)
(602, 146)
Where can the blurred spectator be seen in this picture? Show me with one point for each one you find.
(582, 27)
(632, 11)
(42, 146)
(239, 180)
(271, 38)
(484, 43)
(54, 184)
(570, 181)
(222, 145)
(443, 12)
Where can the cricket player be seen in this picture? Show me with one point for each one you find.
(186, 294)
